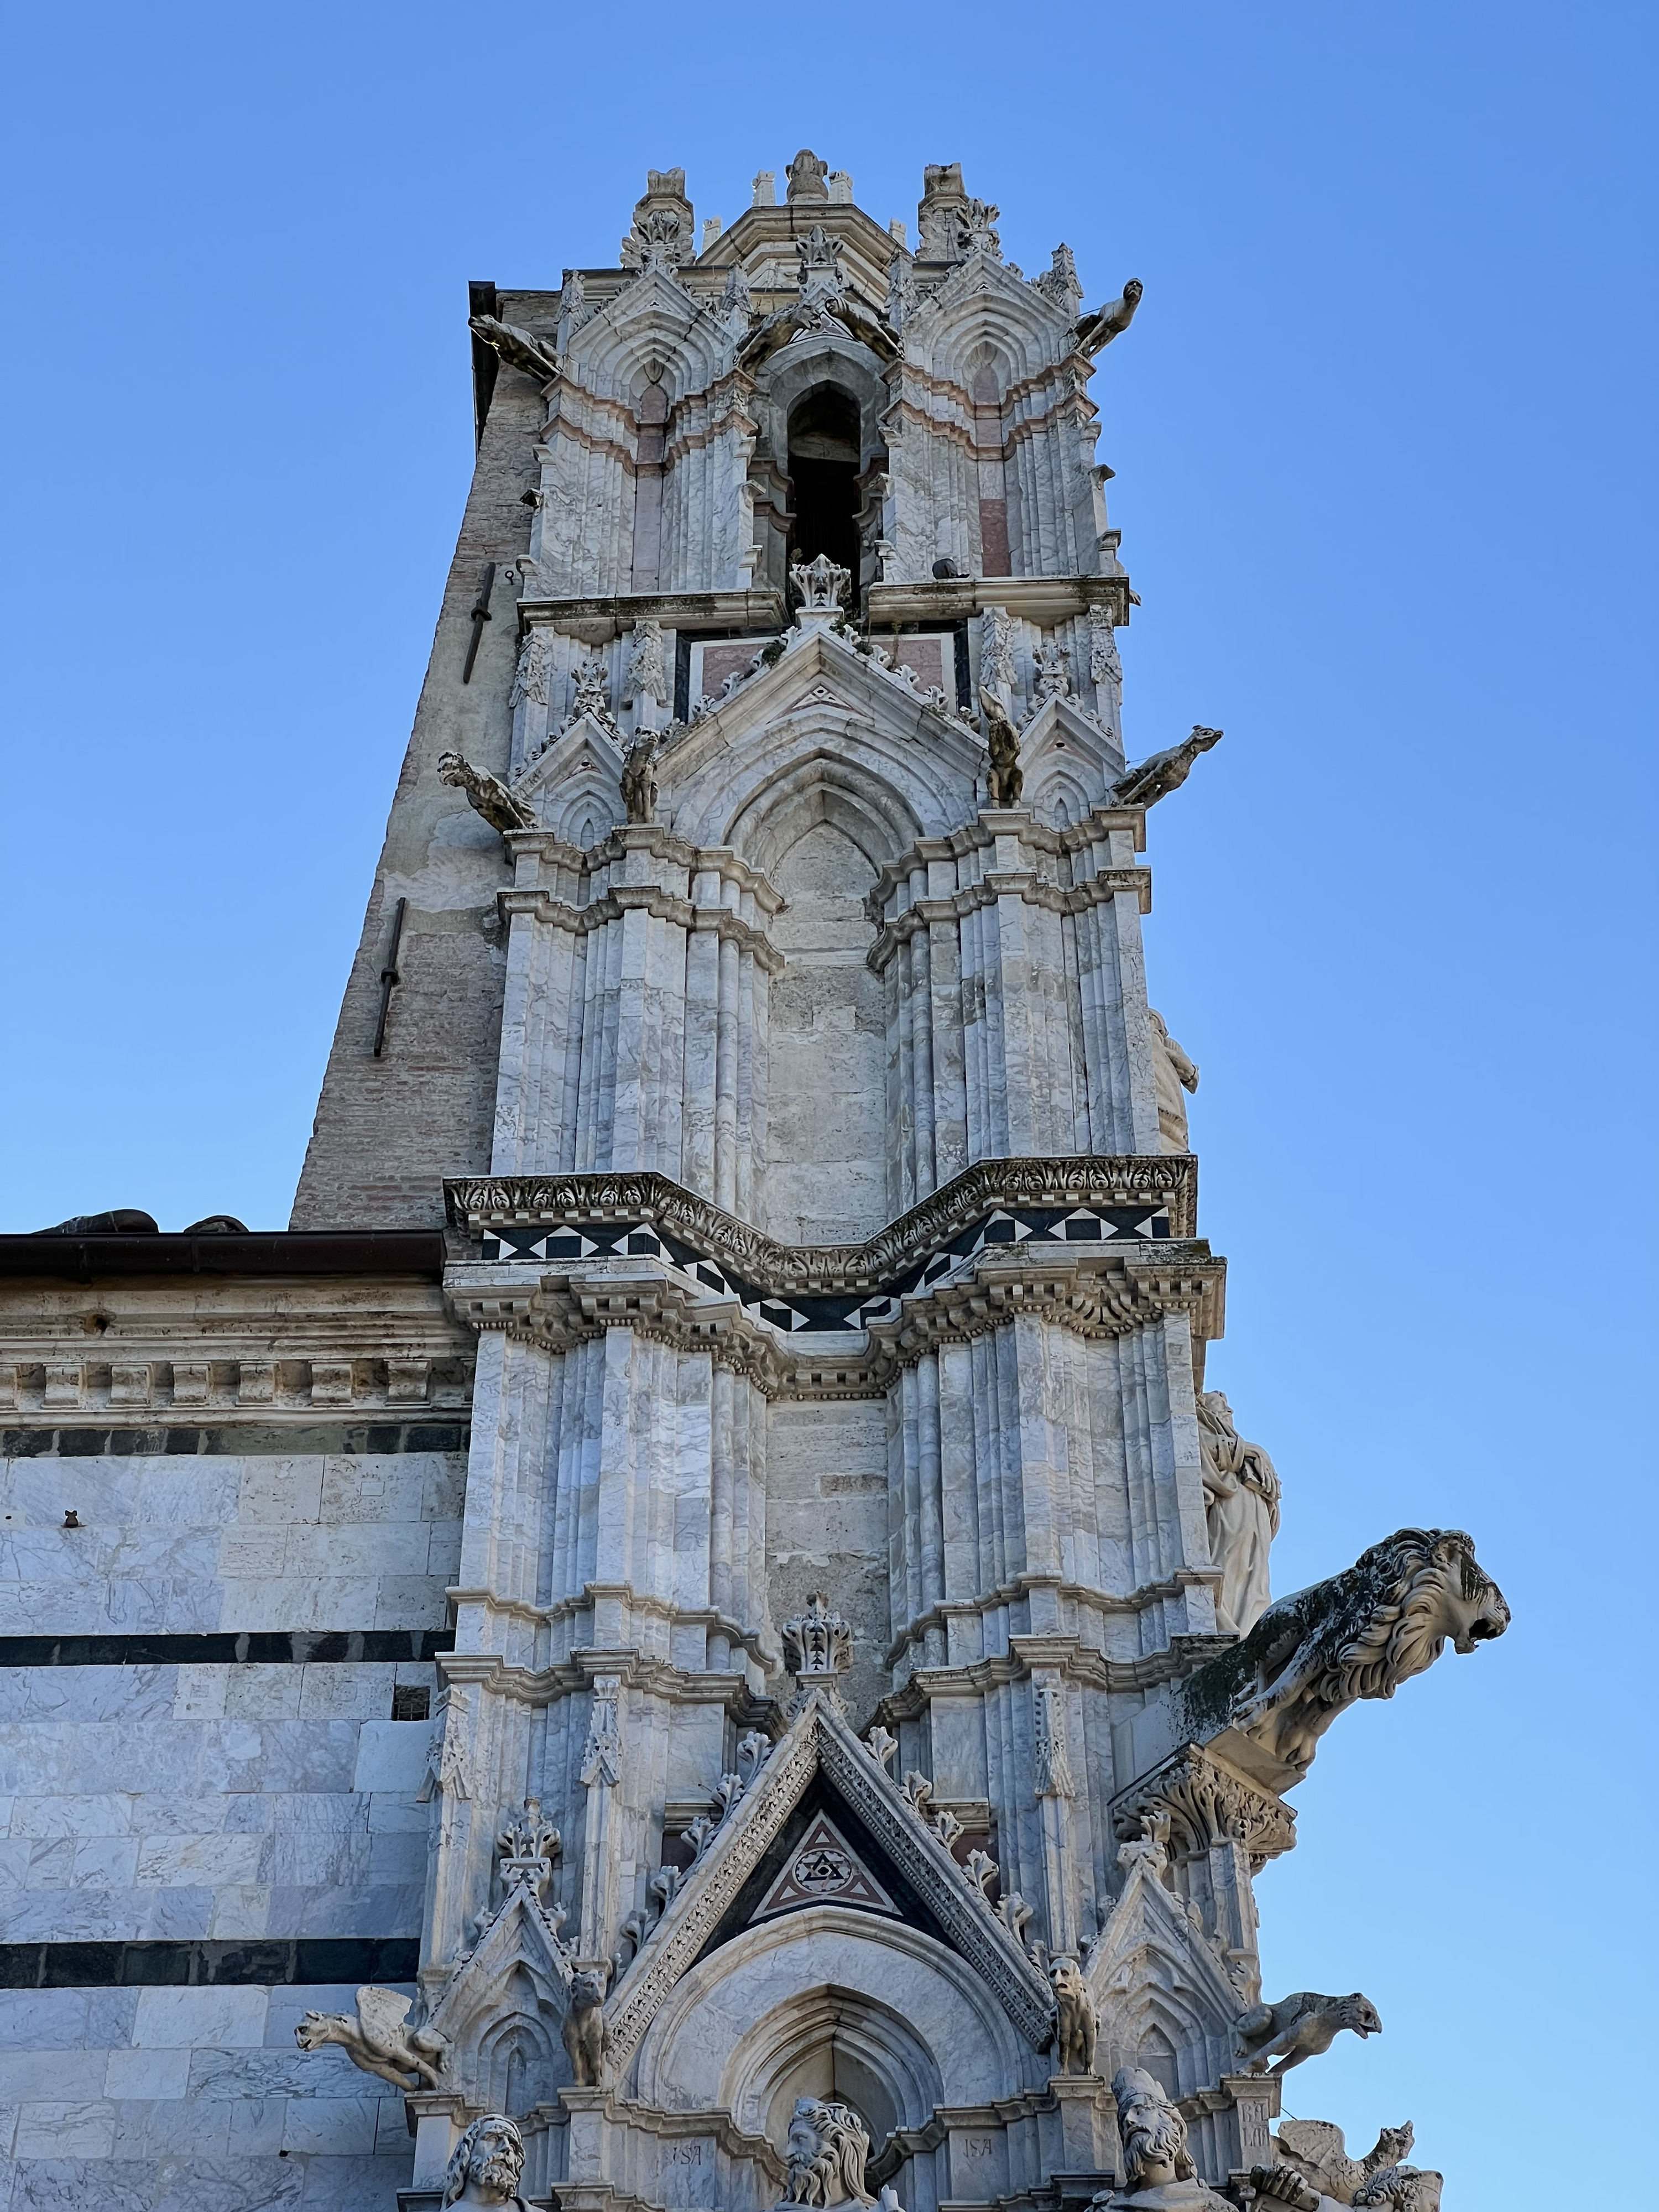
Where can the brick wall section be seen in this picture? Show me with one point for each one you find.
(388, 1130)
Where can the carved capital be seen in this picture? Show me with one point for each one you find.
(1206, 1804)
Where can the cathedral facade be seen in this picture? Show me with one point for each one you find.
(691, 1635)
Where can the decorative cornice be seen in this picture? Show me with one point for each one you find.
(1166, 1179)
(1044, 600)
(1023, 883)
(622, 899)
(1078, 1662)
(690, 610)
(1208, 1804)
(980, 836)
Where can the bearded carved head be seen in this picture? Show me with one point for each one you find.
(489, 2156)
(1153, 2133)
(828, 2146)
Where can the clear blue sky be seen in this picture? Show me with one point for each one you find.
(1386, 489)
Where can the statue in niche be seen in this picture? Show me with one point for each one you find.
(639, 785)
(646, 676)
(1075, 2026)
(1173, 1073)
(486, 2165)
(1241, 1492)
(1157, 2166)
(1004, 779)
(584, 2033)
(829, 2145)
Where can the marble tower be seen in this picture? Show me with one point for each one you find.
(691, 1636)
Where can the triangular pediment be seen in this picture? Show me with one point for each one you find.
(819, 1743)
(521, 1935)
(1068, 756)
(1150, 1944)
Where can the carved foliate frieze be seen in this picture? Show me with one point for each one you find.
(1206, 1804)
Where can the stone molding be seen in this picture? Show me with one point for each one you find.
(980, 836)
(641, 899)
(213, 1345)
(1208, 1804)
(1169, 1179)
(818, 1740)
(545, 1686)
(661, 844)
(1078, 1662)
(758, 610)
(1023, 883)
(1042, 600)
(1108, 1294)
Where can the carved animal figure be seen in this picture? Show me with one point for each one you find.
(1301, 2027)
(519, 349)
(1004, 779)
(486, 2163)
(486, 794)
(1113, 319)
(1075, 2026)
(827, 2149)
(1406, 2188)
(1160, 774)
(638, 785)
(1360, 1635)
(379, 2041)
(584, 2033)
(1317, 2151)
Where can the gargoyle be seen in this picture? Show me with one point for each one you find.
(379, 2040)
(1361, 1634)
(1404, 2188)
(1004, 779)
(1075, 2026)
(486, 794)
(1110, 321)
(1160, 774)
(639, 785)
(1316, 2151)
(518, 348)
(1301, 2027)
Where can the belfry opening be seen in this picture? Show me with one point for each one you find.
(824, 473)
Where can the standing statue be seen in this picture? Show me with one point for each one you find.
(1301, 2027)
(1157, 2166)
(1004, 779)
(1241, 1501)
(486, 794)
(584, 2034)
(1172, 1073)
(638, 785)
(379, 2040)
(1075, 2026)
(827, 2147)
(486, 2165)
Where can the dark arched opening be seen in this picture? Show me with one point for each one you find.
(824, 471)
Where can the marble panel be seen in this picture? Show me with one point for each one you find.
(62, 2128)
(391, 1756)
(136, 2074)
(224, 2018)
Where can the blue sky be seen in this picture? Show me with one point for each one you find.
(1385, 489)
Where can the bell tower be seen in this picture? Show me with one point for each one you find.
(867, 1710)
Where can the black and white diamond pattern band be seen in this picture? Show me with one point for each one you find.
(1034, 1224)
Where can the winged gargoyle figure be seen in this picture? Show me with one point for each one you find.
(486, 794)
(1110, 321)
(379, 2040)
(1160, 774)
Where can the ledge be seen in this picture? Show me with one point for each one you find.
(1044, 600)
(676, 610)
(270, 1252)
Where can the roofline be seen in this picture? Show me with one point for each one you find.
(268, 1252)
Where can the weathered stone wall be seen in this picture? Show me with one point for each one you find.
(388, 1130)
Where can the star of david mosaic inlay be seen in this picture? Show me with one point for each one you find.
(823, 1868)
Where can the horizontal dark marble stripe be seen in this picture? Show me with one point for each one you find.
(249, 1252)
(262, 1962)
(256, 1439)
(297, 1647)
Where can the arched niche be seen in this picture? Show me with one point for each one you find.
(829, 1996)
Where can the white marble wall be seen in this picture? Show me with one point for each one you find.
(188, 2100)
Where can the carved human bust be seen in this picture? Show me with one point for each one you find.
(486, 2163)
(1159, 2174)
(828, 2146)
